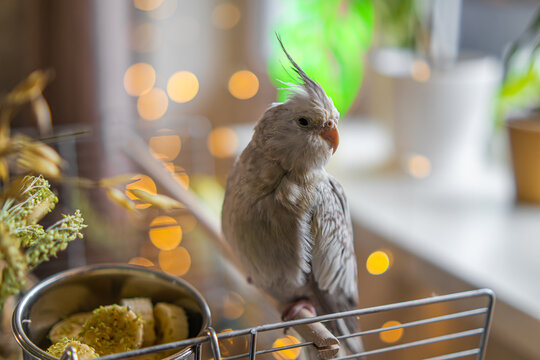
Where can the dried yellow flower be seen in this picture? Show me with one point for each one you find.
(118, 197)
(44, 151)
(29, 88)
(160, 201)
(117, 180)
(4, 170)
(43, 114)
(39, 166)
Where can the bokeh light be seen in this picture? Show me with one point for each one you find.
(153, 104)
(166, 145)
(141, 261)
(232, 345)
(226, 346)
(147, 5)
(233, 306)
(222, 142)
(165, 233)
(226, 16)
(391, 336)
(139, 79)
(165, 10)
(175, 262)
(181, 176)
(141, 182)
(182, 86)
(289, 353)
(420, 71)
(377, 262)
(419, 166)
(243, 84)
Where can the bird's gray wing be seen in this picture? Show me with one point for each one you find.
(333, 258)
(333, 281)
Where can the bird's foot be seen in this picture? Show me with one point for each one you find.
(292, 310)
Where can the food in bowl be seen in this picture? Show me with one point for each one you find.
(144, 308)
(84, 352)
(116, 328)
(69, 327)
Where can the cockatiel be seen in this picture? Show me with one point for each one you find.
(286, 218)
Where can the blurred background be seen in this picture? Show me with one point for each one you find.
(439, 150)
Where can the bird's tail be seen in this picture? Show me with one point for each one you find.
(347, 326)
(328, 304)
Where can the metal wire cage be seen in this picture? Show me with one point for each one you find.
(460, 316)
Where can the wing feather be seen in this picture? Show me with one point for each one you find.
(334, 273)
(333, 257)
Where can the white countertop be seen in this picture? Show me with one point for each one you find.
(484, 240)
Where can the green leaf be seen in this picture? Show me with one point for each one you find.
(328, 39)
(514, 86)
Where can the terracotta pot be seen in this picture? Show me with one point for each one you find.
(524, 135)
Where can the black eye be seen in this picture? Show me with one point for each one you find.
(303, 121)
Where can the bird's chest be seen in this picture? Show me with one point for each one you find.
(275, 243)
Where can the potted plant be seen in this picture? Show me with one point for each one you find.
(519, 104)
(435, 101)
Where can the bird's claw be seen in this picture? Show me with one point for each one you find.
(292, 311)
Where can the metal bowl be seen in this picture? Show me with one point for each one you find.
(86, 288)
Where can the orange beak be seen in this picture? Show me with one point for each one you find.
(331, 136)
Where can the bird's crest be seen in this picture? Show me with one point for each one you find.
(309, 87)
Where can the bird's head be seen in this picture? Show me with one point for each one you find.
(300, 133)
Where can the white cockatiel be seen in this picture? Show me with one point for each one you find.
(286, 218)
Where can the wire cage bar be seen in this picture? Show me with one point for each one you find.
(254, 350)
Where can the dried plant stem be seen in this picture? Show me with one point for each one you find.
(140, 153)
